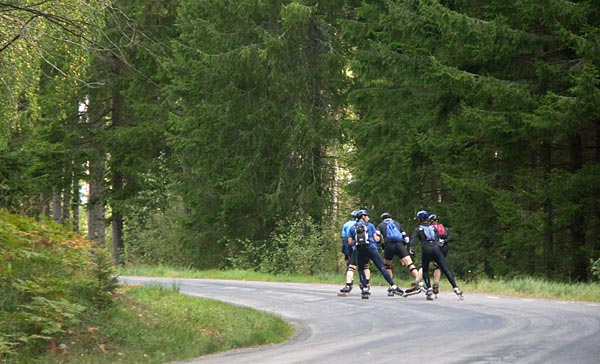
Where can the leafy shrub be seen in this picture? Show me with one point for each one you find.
(295, 247)
(48, 279)
(596, 269)
(245, 254)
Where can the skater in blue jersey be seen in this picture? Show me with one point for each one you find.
(431, 252)
(364, 237)
(350, 257)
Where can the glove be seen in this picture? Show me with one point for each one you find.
(411, 251)
(406, 239)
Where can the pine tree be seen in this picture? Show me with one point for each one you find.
(470, 107)
(256, 86)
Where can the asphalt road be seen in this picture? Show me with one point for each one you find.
(479, 329)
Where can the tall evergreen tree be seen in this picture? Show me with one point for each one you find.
(132, 137)
(257, 86)
(491, 121)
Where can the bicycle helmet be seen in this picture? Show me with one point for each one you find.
(433, 217)
(386, 215)
(422, 215)
(360, 213)
(353, 213)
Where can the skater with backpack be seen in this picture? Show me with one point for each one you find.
(444, 238)
(364, 237)
(350, 257)
(431, 252)
(396, 244)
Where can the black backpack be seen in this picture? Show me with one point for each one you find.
(362, 236)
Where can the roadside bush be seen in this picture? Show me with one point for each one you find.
(596, 269)
(295, 247)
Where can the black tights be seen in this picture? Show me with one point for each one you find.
(433, 253)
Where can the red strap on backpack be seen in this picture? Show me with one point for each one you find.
(440, 229)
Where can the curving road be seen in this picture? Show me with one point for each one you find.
(330, 329)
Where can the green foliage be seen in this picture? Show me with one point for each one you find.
(295, 247)
(41, 80)
(48, 280)
(162, 236)
(595, 267)
(256, 91)
(98, 289)
(219, 119)
(486, 113)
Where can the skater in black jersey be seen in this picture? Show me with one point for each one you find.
(431, 252)
(445, 237)
(396, 244)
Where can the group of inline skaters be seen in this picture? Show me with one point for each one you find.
(361, 241)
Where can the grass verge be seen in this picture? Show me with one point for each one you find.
(151, 324)
(517, 287)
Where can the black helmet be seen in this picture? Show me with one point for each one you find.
(433, 217)
(386, 215)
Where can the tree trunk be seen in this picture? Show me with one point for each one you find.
(75, 200)
(117, 223)
(117, 237)
(66, 205)
(117, 177)
(95, 204)
(549, 257)
(44, 207)
(577, 229)
(56, 204)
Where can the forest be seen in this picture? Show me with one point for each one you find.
(242, 133)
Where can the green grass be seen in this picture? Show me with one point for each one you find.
(157, 325)
(537, 288)
(517, 287)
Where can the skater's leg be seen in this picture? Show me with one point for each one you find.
(376, 258)
(388, 257)
(426, 257)
(388, 267)
(412, 269)
(441, 262)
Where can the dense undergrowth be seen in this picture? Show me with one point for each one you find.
(50, 280)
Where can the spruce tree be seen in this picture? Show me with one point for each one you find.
(471, 109)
